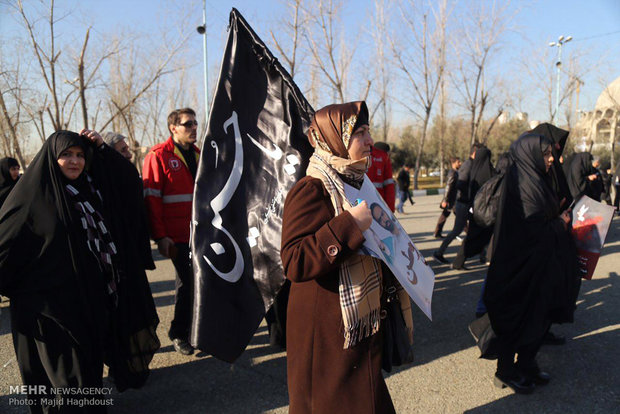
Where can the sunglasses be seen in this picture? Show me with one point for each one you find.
(189, 124)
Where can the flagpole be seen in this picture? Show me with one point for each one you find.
(203, 31)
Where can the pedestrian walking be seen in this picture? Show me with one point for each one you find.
(532, 279)
(463, 202)
(334, 350)
(404, 181)
(449, 196)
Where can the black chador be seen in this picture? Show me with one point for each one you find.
(73, 255)
(532, 279)
(6, 181)
(578, 170)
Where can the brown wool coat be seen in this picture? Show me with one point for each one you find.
(322, 376)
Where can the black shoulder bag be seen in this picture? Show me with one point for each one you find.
(396, 347)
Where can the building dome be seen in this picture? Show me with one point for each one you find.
(610, 98)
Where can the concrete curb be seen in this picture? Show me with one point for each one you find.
(428, 192)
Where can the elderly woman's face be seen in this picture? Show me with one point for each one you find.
(122, 147)
(360, 144)
(71, 162)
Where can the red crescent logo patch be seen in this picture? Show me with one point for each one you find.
(174, 164)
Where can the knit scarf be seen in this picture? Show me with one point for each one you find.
(359, 276)
(98, 238)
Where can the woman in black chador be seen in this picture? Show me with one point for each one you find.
(532, 279)
(9, 174)
(583, 178)
(73, 254)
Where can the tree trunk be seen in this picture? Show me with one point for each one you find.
(81, 77)
(421, 149)
(16, 148)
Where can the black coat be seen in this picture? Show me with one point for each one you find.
(481, 171)
(533, 278)
(403, 180)
(449, 195)
(472, 174)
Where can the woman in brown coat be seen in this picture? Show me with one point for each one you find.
(334, 310)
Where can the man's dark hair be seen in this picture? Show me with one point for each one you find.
(454, 159)
(175, 116)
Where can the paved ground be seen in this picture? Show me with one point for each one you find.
(447, 376)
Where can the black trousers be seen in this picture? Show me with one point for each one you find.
(184, 294)
(441, 221)
(461, 212)
(276, 317)
(476, 241)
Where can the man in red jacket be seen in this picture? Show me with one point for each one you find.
(380, 173)
(169, 173)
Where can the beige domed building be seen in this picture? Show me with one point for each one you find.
(602, 125)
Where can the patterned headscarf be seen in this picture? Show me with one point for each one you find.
(330, 135)
(359, 276)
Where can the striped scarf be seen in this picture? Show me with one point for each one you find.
(359, 276)
(98, 238)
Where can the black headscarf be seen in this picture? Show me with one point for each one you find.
(532, 279)
(535, 186)
(559, 138)
(481, 170)
(44, 255)
(578, 171)
(5, 174)
(6, 181)
(36, 219)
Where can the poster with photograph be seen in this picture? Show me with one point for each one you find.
(591, 221)
(388, 241)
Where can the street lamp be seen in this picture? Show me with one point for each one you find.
(558, 64)
(202, 29)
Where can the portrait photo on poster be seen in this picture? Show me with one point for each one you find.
(387, 240)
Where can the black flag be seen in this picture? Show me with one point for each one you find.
(254, 150)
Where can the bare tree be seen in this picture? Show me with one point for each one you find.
(327, 45)
(47, 62)
(136, 80)
(9, 132)
(477, 44)
(10, 114)
(543, 75)
(133, 99)
(48, 59)
(419, 55)
(293, 29)
(381, 66)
